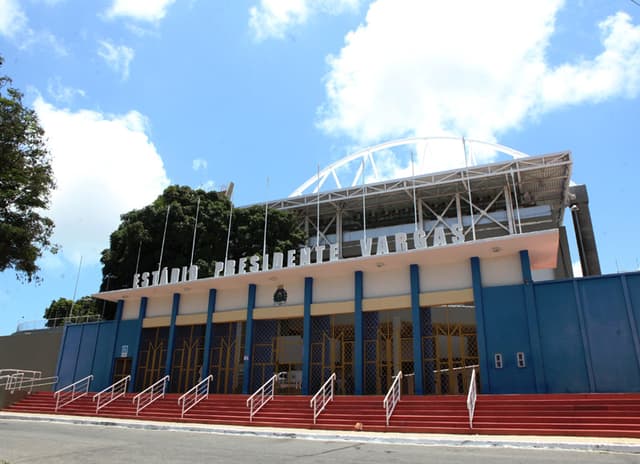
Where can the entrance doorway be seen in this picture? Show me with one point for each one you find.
(450, 348)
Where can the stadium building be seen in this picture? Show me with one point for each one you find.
(434, 275)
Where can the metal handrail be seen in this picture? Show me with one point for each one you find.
(264, 394)
(463, 368)
(33, 383)
(17, 379)
(471, 398)
(326, 397)
(152, 394)
(195, 394)
(393, 397)
(115, 391)
(72, 392)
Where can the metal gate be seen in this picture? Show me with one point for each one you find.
(152, 356)
(225, 356)
(450, 349)
(332, 348)
(186, 368)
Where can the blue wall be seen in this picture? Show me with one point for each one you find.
(577, 335)
(88, 349)
(588, 335)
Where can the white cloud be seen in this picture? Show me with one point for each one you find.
(272, 18)
(14, 25)
(118, 57)
(141, 10)
(104, 165)
(199, 163)
(459, 68)
(61, 93)
(208, 186)
(12, 18)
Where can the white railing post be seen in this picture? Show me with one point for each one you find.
(72, 392)
(150, 394)
(392, 397)
(471, 398)
(195, 394)
(115, 391)
(324, 395)
(265, 393)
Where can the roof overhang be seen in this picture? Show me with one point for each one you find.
(542, 247)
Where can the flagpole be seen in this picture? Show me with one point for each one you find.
(266, 209)
(364, 210)
(226, 251)
(164, 236)
(195, 227)
(138, 258)
(415, 207)
(75, 289)
(466, 163)
(318, 209)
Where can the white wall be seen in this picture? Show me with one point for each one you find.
(235, 298)
(449, 276)
(543, 274)
(338, 288)
(159, 306)
(131, 308)
(294, 288)
(501, 271)
(389, 282)
(193, 303)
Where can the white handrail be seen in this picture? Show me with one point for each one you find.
(150, 394)
(261, 396)
(326, 397)
(392, 397)
(115, 391)
(198, 392)
(17, 379)
(72, 392)
(471, 398)
(463, 368)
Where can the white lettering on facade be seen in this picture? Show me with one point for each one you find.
(302, 257)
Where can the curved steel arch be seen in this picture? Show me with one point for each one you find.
(367, 153)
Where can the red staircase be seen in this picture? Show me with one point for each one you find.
(600, 415)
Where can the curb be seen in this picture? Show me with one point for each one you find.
(587, 444)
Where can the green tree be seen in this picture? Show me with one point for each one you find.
(26, 180)
(57, 311)
(64, 309)
(140, 234)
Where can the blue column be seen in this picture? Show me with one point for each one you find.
(358, 360)
(418, 362)
(306, 334)
(172, 333)
(119, 307)
(532, 322)
(136, 349)
(248, 340)
(208, 333)
(483, 355)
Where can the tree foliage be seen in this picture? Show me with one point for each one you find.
(26, 180)
(142, 230)
(64, 309)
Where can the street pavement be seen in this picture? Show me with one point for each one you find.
(28, 438)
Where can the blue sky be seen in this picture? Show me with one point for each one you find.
(137, 95)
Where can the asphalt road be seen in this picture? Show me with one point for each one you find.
(43, 442)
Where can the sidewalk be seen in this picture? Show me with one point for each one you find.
(625, 445)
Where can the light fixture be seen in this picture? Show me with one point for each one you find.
(379, 264)
(496, 249)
